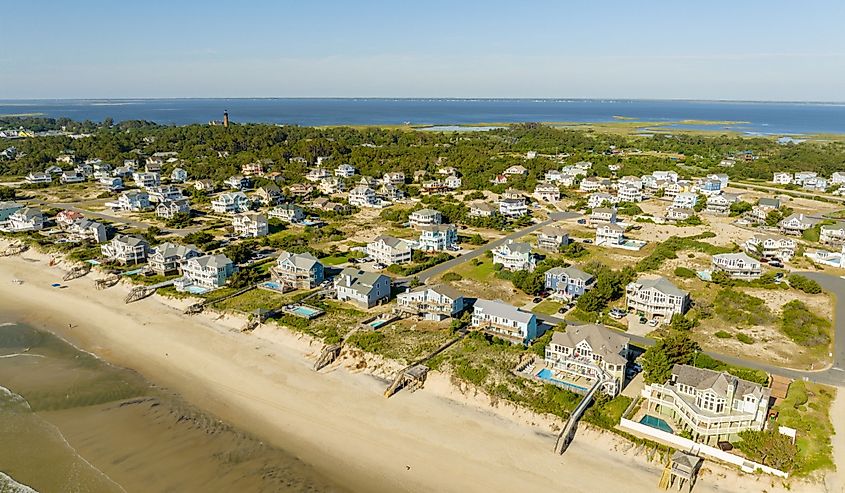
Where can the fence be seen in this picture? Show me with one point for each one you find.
(695, 448)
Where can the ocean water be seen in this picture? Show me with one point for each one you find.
(71, 422)
(768, 118)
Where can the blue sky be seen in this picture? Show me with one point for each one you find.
(742, 49)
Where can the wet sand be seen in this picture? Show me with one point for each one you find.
(437, 439)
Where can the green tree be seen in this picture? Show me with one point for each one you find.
(770, 448)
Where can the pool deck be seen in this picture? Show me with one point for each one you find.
(565, 381)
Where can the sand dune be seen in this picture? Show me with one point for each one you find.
(437, 439)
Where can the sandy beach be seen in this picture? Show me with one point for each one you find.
(436, 439)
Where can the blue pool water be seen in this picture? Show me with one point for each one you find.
(93, 262)
(133, 272)
(304, 311)
(656, 423)
(272, 285)
(376, 323)
(196, 290)
(546, 374)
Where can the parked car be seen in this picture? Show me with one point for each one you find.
(582, 221)
(537, 299)
(617, 313)
(587, 240)
(653, 322)
(775, 263)
(643, 320)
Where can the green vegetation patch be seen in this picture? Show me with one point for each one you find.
(738, 308)
(803, 326)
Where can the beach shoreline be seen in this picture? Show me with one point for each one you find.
(439, 439)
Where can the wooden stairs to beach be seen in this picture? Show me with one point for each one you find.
(14, 249)
(108, 281)
(412, 377)
(78, 271)
(567, 434)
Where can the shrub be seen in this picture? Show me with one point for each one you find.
(451, 276)
(684, 272)
(805, 284)
(803, 326)
(370, 341)
(744, 338)
(739, 308)
(722, 334)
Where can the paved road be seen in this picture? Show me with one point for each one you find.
(831, 376)
(438, 269)
(112, 218)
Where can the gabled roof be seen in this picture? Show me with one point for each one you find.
(570, 272)
(212, 261)
(498, 308)
(516, 247)
(392, 242)
(661, 284)
(717, 382)
(603, 341)
(169, 250)
(304, 261)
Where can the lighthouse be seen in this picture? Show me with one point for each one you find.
(226, 118)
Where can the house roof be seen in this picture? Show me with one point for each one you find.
(517, 247)
(604, 342)
(571, 272)
(212, 261)
(718, 382)
(767, 202)
(168, 249)
(661, 284)
(553, 231)
(498, 308)
(304, 261)
(739, 256)
(425, 212)
(392, 242)
(442, 289)
(359, 280)
(130, 240)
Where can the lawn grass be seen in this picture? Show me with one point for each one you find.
(253, 300)
(334, 260)
(548, 307)
(807, 409)
(481, 273)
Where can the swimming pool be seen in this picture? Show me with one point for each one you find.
(304, 311)
(546, 374)
(272, 285)
(377, 323)
(656, 423)
(195, 289)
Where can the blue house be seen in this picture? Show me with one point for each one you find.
(568, 282)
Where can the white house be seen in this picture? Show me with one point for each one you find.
(832, 234)
(38, 178)
(837, 178)
(363, 196)
(86, 230)
(552, 238)
(164, 193)
(364, 289)
(425, 217)
(674, 213)
(169, 208)
(438, 237)
(547, 192)
(592, 352)
(601, 199)
(69, 177)
(610, 234)
(25, 219)
(388, 250)
(513, 207)
(590, 184)
(452, 182)
(125, 249)
(770, 246)
(737, 265)
(207, 271)
(686, 200)
(331, 185)
(711, 406)
(317, 174)
(344, 171)
(656, 296)
(481, 209)
(394, 177)
(169, 257)
(237, 182)
(290, 213)
(230, 203)
(431, 302)
(796, 224)
(514, 256)
(133, 201)
(250, 225)
(629, 194)
(601, 216)
(516, 170)
(506, 321)
(146, 180)
(179, 175)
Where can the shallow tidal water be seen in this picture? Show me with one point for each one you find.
(70, 422)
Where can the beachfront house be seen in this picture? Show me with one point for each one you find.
(298, 271)
(207, 271)
(795, 224)
(133, 201)
(552, 238)
(737, 265)
(832, 234)
(168, 258)
(629, 194)
(69, 177)
(125, 250)
(388, 250)
(567, 282)
(86, 230)
(686, 200)
(602, 216)
(547, 192)
(431, 302)
(250, 225)
(675, 214)
(364, 289)
(425, 217)
(610, 234)
(290, 213)
(771, 247)
(25, 219)
(167, 209)
(230, 203)
(712, 406)
(7, 209)
(146, 180)
(514, 256)
(438, 238)
(586, 354)
(505, 321)
(656, 297)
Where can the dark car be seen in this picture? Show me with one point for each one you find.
(582, 221)
(537, 299)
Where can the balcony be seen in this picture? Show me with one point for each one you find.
(695, 418)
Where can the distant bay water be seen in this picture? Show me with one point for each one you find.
(768, 118)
